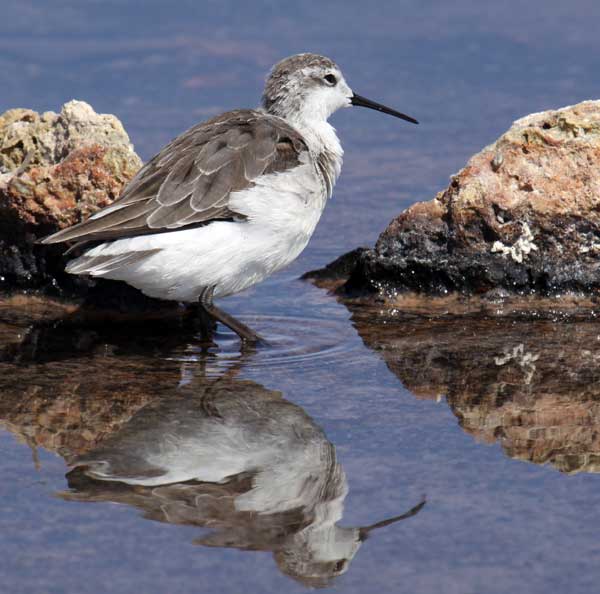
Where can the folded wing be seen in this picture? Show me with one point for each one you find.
(190, 181)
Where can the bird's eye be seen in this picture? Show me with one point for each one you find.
(330, 79)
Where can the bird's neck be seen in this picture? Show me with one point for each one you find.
(322, 141)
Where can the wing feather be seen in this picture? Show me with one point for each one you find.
(178, 185)
(166, 217)
(190, 181)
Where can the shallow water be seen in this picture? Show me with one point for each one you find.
(350, 416)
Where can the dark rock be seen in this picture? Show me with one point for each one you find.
(337, 271)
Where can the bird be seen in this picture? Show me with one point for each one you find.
(230, 201)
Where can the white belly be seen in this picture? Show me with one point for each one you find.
(281, 210)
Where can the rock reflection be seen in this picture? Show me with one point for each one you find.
(532, 386)
(66, 387)
(227, 455)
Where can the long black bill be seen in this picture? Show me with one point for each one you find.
(364, 102)
(366, 530)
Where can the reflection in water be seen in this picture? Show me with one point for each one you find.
(224, 454)
(240, 460)
(532, 386)
(65, 388)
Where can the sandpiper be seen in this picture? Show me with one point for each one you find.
(229, 202)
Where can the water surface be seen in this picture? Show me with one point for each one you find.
(494, 423)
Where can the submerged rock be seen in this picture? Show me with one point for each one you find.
(55, 170)
(522, 217)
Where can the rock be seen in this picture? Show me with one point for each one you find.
(522, 217)
(55, 170)
(529, 386)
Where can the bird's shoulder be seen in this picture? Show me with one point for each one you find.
(262, 136)
(190, 180)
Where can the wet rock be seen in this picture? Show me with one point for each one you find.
(55, 170)
(523, 216)
(337, 271)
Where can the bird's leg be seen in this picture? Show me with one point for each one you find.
(246, 334)
(206, 323)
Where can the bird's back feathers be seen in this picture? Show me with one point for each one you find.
(190, 181)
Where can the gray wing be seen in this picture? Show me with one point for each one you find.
(189, 182)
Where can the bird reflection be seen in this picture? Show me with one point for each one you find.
(251, 469)
(240, 460)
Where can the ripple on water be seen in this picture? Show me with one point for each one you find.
(291, 342)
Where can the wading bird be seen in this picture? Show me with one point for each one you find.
(229, 202)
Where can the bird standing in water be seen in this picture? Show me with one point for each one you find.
(229, 202)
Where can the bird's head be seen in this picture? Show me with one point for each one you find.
(309, 87)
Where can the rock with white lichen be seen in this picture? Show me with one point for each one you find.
(55, 170)
(522, 217)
